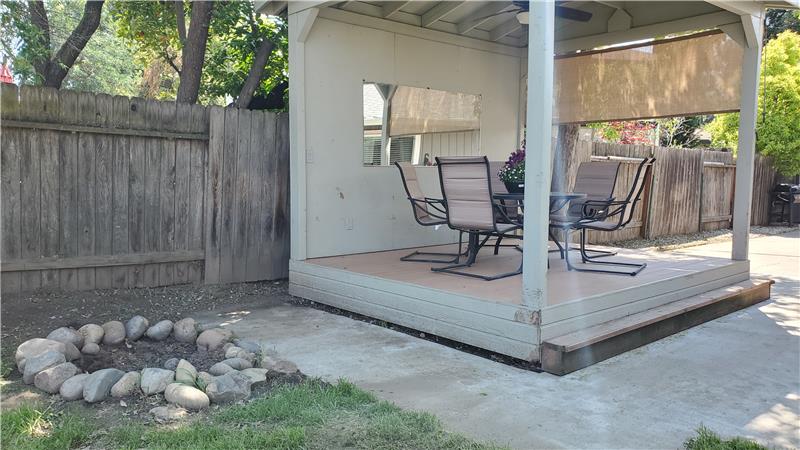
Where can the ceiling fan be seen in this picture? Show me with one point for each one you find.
(565, 12)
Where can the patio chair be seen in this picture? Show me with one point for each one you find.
(511, 207)
(606, 215)
(428, 212)
(596, 179)
(467, 191)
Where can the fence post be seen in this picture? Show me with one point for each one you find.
(700, 189)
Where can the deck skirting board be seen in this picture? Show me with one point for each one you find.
(505, 311)
(454, 323)
(505, 328)
(574, 324)
(685, 285)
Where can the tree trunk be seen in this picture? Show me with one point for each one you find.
(565, 161)
(194, 52)
(254, 76)
(54, 70)
(180, 19)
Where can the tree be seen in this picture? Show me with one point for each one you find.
(245, 54)
(680, 131)
(104, 65)
(194, 48)
(778, 123)
(32, 27)
(780, 20)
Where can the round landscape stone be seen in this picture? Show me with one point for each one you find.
(185, 330)
(90, 348)
(188, 397)
(229, 388)
(66, 334)
(160, 331)
(185, 373)
(155, 380)
(135, 327)
(71, 352)
(204, 378)
(278, 365)
(91, 333)
(238, 363)
(126, 385)
(113, 332)
(213, 339)
(98, 384)
(220, 369)
(33, 347)
(250, 346)
(50, 380)
(256, 375)
(171, 364)
(40, 362)
(72, 389)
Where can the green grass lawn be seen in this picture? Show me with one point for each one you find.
(708, 440)
(311, 415)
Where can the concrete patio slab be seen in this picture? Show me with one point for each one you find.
(738, 375)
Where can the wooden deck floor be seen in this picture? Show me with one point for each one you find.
(564, 286)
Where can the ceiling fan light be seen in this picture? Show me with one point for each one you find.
(523, 17)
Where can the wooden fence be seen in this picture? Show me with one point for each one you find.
(690, 190)
(101, 192)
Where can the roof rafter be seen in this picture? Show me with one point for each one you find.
(438, 12)
(481, 15)
(390, 8)
(504, 29)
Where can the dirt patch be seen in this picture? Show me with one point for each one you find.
(144, 353)
(36, 314)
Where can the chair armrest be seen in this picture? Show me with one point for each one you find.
(600, 210)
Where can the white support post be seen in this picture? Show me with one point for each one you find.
(300, 24)
(745, 155)
(537, 160)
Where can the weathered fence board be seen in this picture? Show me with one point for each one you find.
(91, 199)
(247, 196)
(691, 189)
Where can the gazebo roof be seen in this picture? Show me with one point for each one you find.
(612, 22)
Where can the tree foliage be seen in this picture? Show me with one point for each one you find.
(235, 33)
(778, 123)
(780, 20)
(104, 65)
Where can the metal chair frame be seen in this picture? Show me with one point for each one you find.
(595, 211)
(438, 205)
(474, 243)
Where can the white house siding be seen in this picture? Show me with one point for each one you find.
(352, 208)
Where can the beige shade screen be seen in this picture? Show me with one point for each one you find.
(674, 78)
(420, 111)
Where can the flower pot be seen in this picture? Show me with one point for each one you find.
(515, 187)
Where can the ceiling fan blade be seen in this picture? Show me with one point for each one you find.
(568, 13)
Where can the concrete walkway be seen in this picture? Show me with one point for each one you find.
(738, 375)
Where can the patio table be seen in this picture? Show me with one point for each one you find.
(557, 199)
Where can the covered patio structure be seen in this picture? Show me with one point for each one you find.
(350, 218)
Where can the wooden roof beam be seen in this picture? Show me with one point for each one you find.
(481, 15)
(438, 12)
(391, 8)
(504, 29)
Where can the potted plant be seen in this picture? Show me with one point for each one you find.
(513, 172)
